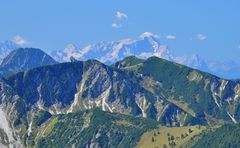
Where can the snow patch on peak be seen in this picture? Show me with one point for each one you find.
(114, 54)
(71, 51)
(161, 51)
(86, 49)
(148, 35)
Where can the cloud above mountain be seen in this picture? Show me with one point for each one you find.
(20, 40)
(120, 19)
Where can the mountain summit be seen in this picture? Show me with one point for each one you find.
(146, 45)
(23, 59)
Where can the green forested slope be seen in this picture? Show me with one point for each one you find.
(95, 128)
(227, 136)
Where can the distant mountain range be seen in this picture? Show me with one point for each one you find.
(145, 46)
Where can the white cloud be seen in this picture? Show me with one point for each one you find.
(120, 18)
(201, 37)
(171, 37)
(20, 40)
(121, 15)
(115, 25)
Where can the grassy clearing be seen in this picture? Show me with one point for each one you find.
(124, 123)
(183, 105)
(47, 128)
(133, 67)
(166, 137)
(195, 76)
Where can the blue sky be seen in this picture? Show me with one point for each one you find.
(209, 28)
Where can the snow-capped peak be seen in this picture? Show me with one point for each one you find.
(116, 48)
(148, 35)
(145, 46)
(71, 51)
(192, 61)
(163, 52)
